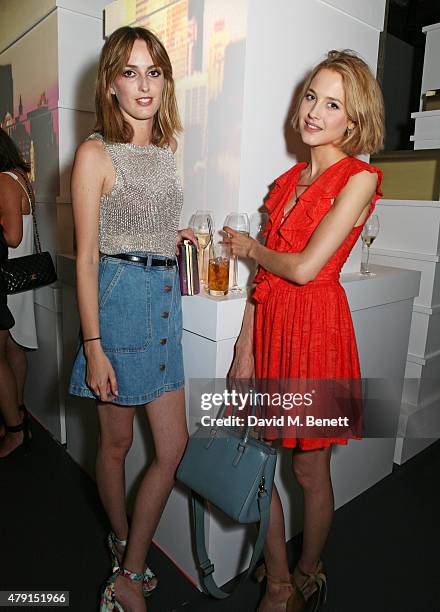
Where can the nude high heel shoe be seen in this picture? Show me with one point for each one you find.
(296, 601)
(315, 584)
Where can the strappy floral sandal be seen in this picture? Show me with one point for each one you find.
(108, 597)
(296, 601)
(314, 588)
(150, 579)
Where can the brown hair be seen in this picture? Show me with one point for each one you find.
(363, 101)
(10, 156)
(114, 56)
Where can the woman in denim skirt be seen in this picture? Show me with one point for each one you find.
(127, 201)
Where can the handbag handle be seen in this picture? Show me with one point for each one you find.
(206, 567)
(31, 197)
(246, 430)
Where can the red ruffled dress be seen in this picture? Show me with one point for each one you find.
(306, 331)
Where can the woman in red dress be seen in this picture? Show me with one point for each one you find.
(298, 324)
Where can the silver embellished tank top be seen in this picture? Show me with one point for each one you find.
(142, 211)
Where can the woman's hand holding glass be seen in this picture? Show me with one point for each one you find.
(241, 245)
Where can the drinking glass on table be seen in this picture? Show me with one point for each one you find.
(369, 234)
(201, 223)
(240, 223)
(218, 268)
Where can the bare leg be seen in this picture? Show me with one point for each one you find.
(167, 419)
(312, 470)
(275, 557)
(168, 425)
(115, 439)
(16, 356)
(8, 400)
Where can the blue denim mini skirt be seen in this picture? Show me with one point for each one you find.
(140, 318)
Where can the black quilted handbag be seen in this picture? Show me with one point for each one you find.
(30, 271)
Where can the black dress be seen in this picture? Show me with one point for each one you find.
(6, 318)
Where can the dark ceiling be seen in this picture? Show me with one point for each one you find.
(406, 18)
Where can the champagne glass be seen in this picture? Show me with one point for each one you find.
(239, 222)
(264, 220)
(369, 234)
(258, 222)
(201, 222)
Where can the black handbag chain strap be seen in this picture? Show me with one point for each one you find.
(31, 197)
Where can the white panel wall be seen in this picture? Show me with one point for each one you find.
(409, 238)
(371, 12)
(427, 125)
(80, 39)
(87, 7)
(74, 126)
(43, 388)
(47, 226)
(409, 225)
(79, 44)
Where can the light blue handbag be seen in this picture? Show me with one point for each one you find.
(234, 472)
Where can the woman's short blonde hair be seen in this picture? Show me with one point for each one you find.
(114, 56)
(363, 101)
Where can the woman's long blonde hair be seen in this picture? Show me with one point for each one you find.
(114, 56)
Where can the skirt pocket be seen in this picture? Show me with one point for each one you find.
(124, 308)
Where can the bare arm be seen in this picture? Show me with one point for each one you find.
(245, 341)
(10, 210)
(243, 362)
(89, 176)
(349, 208)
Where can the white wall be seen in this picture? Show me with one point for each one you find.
(93, 8)
(79, 44)
(370, 13)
